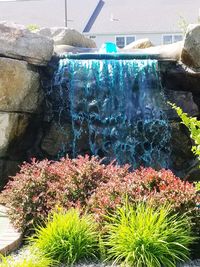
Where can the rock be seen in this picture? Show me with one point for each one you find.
(65, 36)
(177, 77)
(191, 49)
(182, 158)
(18, 137)
(61, 49)
(55, 138)
(170, 51)
(12, 126)
(7, 168)
(18, 42)
(19, 86)
(194, 263)
(139, 44)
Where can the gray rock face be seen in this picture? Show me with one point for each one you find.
(19, 86)
(178, 76)
(18, 42)
(8, 168)
(16, 135)
(55, 138)
(191, 50)
(65, 36)
(20, 97)
(12, 126)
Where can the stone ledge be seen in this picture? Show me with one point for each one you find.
(10, 238)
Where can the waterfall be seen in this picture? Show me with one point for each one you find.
(116, 109)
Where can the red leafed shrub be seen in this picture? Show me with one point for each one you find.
(142, 185)
(85, 182)
(41, 186)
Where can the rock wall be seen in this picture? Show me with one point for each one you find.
(20, 99)
(27, 128)
(22, 55)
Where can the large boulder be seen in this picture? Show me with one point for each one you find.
(19, 86)
(18, 42)
(176, 76)
(139, 44)
(191, 49)
(170, 51)
(12, 126)
(65, 36)
(20, 101)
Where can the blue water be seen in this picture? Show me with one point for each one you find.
(116, 108)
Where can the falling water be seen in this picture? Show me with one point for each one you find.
(116, 108)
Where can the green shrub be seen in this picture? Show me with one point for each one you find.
(141, 185)
(42, 185)
(145, 236)
(28, 258)
(194, 127)
(68, 238)
(85, 182)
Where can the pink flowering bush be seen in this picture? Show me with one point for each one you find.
(41, 186)
(141, 185)
(84, 182)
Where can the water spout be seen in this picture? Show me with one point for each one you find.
(108, 47)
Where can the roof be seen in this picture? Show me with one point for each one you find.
(48, 13)
(128, 16)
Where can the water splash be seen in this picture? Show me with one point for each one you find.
(116, 109)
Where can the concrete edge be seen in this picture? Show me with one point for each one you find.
(10, 238)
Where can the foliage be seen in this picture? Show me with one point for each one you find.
(145, 236)
(28, 258)
(197, 186)
(183, 24)
(194, 127)
(86, 183)
(142, 185)
(33, 27)
(40, 186)
(67, 237)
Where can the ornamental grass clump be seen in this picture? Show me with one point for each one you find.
(31, 257)
(68, 237)
(144, 236)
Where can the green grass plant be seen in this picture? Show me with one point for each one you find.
(68, 237)
(197, 186)
(33, 27)
(144, 236)
(28, 258)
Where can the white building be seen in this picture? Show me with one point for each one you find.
(128, 20)
(120, 21)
